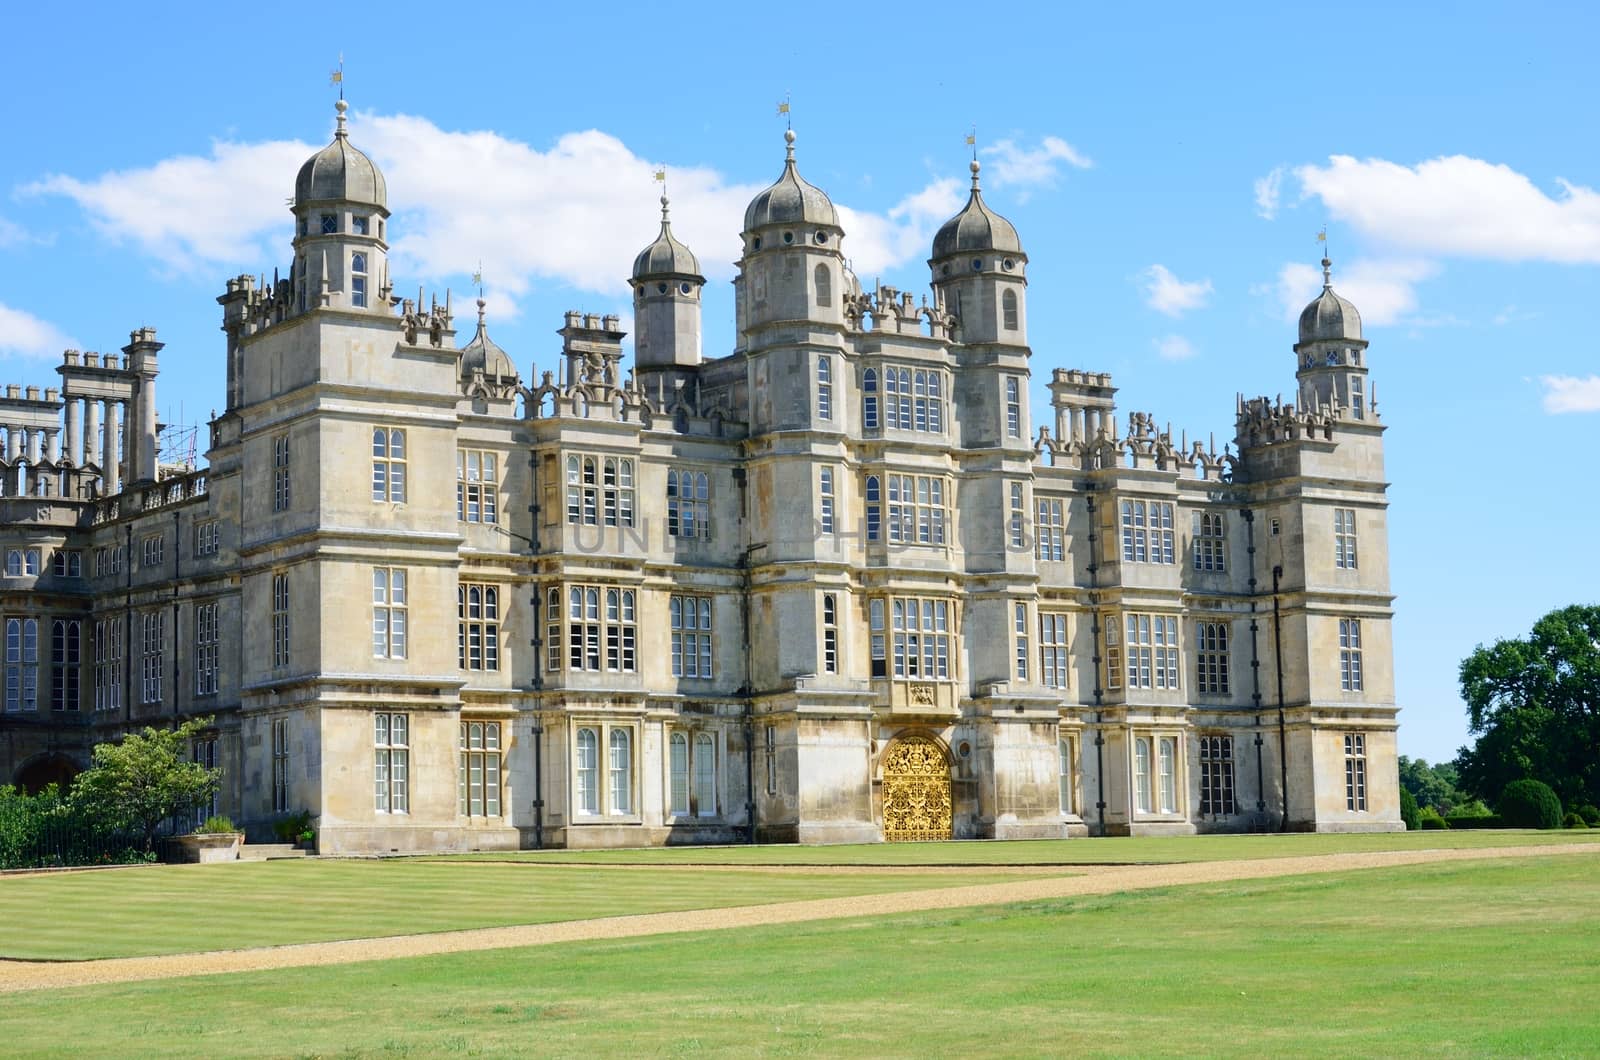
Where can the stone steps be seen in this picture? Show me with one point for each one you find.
(269, 851)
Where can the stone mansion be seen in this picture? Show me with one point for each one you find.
(833, 585)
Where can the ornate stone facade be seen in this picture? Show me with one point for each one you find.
(831, 585)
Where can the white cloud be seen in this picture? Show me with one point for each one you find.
(1165, 293)
(1568, 393)
(1383, 291)
(1174, 348)
(1268, 190)
(1512, 315)
(875, 243)
(23, 334)
(1459, 206)
(1010, 164)
(574, 214)
(13, 234)
(191, 211)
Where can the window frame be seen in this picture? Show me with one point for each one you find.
(389, 618)
(480, 786)
(691, 620)
(477, 486)
(391, 766)
(478, 624)
(389, 457)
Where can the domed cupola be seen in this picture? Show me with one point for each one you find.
(340, 208)
(666, 258)
(1329, 317)
(790, 200)
(666, 302)
(1330, 358)
(341, 173)
(484, 355)
(980, 273)
(976, 229)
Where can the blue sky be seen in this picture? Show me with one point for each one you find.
(1167, 167)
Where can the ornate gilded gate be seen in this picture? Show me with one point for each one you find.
(916, 791)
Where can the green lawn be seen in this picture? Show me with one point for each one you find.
(182, 908)
(1110, 850)
(1456, 959)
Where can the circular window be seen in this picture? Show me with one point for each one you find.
(977, 264)
(755, 244)
(1008, 264)
(945, 271)
(965, 749)
(822, 237)
(684, 287)
(662, 288)
(788, 237)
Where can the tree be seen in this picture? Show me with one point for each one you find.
(145, 778)
(1529, 804)
(1436, 786)
(1534, 704)
(1409, 813)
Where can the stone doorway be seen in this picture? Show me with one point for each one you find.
(916, 791)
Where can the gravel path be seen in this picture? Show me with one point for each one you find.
(1088, 880)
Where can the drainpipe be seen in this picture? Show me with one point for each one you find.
(1255, 663)
(537, 641)
(127, 623)
(746, 691)
(1099, 692)
(1283, 744)
(177, 572)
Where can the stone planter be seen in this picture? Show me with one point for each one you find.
(209, 846)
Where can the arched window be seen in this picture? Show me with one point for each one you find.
(1141, 774)
(705, 775)
(621, 771)
(874, 493)
(1167, 757)
(869, 400)
(358, 280)
(824, 285)
(678, 767)
(824, 387)
(1008, 308)
(1064, 770)
(588, 770)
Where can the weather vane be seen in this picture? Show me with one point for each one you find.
(972, 141)
(783, 111)
(336, 76)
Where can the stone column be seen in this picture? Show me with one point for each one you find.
(91, 432)
(13, 444)
(110, 474)
(74, 432)
(146, 427)
(52, 444)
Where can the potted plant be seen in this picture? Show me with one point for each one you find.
(215, 840)
(296, 828)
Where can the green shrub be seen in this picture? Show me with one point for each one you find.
(217, 823)
(1428, 820)
(1458, 821)
(294, 827)
(1530, 803)
(1408, 810)
(1590, 815)
(1573, 820)
(1471, 808)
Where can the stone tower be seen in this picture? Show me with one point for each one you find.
(666, 305)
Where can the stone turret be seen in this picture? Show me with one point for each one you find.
(980, 272)
(666, 302)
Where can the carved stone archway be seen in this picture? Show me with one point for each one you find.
(916, 791)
